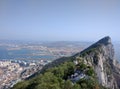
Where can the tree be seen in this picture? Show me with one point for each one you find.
(90, 72)
(21, 85)
(76, 86)
(68, 84)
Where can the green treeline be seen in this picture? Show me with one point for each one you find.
(57, 78)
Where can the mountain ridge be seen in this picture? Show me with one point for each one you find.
(104, 46)
(102, 58)
(99, 57)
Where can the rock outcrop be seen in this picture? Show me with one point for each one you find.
(101, 56)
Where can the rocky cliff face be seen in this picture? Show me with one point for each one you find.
(101, 56)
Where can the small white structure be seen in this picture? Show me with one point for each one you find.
(77, 76)
(76, 62)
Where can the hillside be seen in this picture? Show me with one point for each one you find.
(93, 68)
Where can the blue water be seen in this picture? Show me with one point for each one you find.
(22, 53)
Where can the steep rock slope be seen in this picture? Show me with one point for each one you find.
(101, 56)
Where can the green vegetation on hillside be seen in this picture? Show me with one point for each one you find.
(57, 78)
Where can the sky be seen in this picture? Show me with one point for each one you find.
(59, 20)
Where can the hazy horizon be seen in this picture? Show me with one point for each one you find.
(59, 20)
